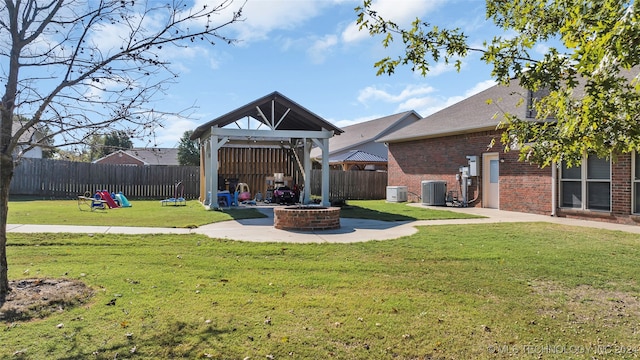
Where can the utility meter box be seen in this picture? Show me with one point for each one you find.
(397, 193)
(473, 165)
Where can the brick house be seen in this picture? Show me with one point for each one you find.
(440, 145)
(141, 157)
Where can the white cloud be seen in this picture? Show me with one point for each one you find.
(430, 105)
(401, 12)
(262, 17)
(372, 93)
(321, 47)
(421, 98)
(418, 104)
(169, 135)
(479, 87)
(347, 122)
(441, 67)
(352, 33)
(541, 49)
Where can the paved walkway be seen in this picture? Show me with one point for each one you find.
(351, 230)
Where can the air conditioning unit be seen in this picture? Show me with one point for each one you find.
(434, 192)
(396, 193)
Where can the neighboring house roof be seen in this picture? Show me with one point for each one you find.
(142, 156)
(287, 114)
(357, 156)
(119, 157)
(482, 111)
(32, 135)
(156, 156)
(368, 132)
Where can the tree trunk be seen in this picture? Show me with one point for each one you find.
(6, 173)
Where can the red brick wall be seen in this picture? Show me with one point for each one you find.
(621, 185)
(306, 219)
(523, 187)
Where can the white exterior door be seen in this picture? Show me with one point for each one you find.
(491, 180)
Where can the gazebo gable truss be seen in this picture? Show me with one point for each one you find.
(286, 124)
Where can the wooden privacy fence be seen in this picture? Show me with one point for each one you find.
(252, 166)
(351, 185)
(67, 179)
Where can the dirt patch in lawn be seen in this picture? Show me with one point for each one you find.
(38, 298)
(586, 304)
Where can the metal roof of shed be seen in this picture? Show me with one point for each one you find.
(357, 156)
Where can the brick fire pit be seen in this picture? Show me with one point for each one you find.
(306, 218)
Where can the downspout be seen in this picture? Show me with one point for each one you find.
(554, 188)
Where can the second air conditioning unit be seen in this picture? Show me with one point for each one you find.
(396, 193)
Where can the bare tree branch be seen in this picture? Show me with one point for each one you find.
(80, 69)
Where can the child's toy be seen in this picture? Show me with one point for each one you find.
(88, 202)
(176, 200)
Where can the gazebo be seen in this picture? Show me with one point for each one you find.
(358, 160)
(278, 122)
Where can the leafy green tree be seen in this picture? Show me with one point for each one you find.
(47, 142)
(95, 145)
(591, 78)
(116, 140)
(57, 66)
(188, 151)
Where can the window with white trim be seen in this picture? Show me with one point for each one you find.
(636, 183)
(588, 186)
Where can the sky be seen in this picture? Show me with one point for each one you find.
(312, 52)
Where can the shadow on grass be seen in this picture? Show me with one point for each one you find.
(242, 214)
(177, 340)
(26, 198)
(358, 212)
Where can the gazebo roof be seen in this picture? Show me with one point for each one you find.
(274, 110)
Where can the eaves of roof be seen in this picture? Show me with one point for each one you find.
(274, 107)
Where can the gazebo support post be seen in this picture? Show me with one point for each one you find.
(306, 197)
(215, 143)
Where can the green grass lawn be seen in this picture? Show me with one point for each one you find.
(489, 291)
(143, 213)
(152, 214)
(386, 211)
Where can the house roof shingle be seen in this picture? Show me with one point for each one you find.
(155, 156)
(365, 132)
(148, 156)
